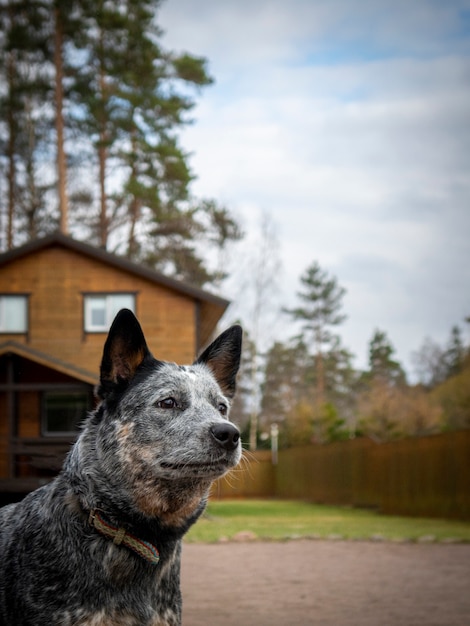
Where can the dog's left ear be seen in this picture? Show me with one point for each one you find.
(223, 358)
(124, 350)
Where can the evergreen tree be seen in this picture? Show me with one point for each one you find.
(381, 364)
(284, 381)
(322, 301)
(25, 119)
(64, 25)
(135, 95)
(111, 88)
(455, 354)
(341, 382)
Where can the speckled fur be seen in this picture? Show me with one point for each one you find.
(147, 466)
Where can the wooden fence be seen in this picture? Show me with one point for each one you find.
(427, 476)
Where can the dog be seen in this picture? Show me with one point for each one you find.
(100, 545)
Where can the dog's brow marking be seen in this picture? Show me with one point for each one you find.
(190, 374)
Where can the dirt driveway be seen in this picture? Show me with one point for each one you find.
(335, 583)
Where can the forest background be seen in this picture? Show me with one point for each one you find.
(91, 106)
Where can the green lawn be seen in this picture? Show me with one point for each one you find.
(280, 519)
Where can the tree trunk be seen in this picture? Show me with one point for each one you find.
(134, 212)
(103, 224)
(32, 201)
(102, 157)
(59, 101)
(320, 368)
(132, 246)
(320, 378)
(11, 155)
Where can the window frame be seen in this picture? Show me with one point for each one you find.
(67, 391)
(110, 311)
(25, 297)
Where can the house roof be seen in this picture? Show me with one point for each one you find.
(13, 347)
(211, 307)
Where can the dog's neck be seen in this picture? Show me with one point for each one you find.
(155, 519)
(174, 506)
(120, 536)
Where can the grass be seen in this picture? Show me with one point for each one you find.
(280, 520)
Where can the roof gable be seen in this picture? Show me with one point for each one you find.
(211, 307)
(58, 239)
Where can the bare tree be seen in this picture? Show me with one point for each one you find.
(257, 284)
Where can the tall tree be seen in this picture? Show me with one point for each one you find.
(134, 96)
(9, 104)
(381, 363)
(284, 380)
(66, 27)
(121, 97)
(320, 312)
(455, 353)
(26, 118)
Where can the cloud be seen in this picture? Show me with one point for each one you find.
(349, 122)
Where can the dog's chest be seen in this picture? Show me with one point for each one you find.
(115, 618)
(135, 598)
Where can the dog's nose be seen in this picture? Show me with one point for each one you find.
(227, 435)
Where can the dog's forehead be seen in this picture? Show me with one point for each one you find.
(191, 375)
(186, 369)
(197, 372)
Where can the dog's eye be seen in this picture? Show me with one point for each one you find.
(222, 408)
(167, 403)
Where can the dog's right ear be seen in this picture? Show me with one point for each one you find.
(125, 349)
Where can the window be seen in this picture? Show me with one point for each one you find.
(13, 313)
(64, 411)
(100, 309)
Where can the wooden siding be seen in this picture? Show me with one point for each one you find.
(3, 436)
(57, 273)
(57, 279)
(29, 413)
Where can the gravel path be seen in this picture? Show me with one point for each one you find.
(335, 583)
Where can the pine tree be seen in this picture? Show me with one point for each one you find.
(381, 364)
(26, 119)
(134, 98)
(112, 89)
(322, 300)
(455, 354)
(284, 380)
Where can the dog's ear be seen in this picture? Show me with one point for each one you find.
(124, 350)
(223, 358)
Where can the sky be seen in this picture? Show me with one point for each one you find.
(347, 124)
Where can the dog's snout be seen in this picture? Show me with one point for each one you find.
(227, 435)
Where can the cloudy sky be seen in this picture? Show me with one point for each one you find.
(348, 123)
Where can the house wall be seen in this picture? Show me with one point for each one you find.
(57, 278)
(3, 435)
(29, 414)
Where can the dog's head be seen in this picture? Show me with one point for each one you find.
(169, 422)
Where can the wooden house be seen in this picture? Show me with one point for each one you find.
(58, 297)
